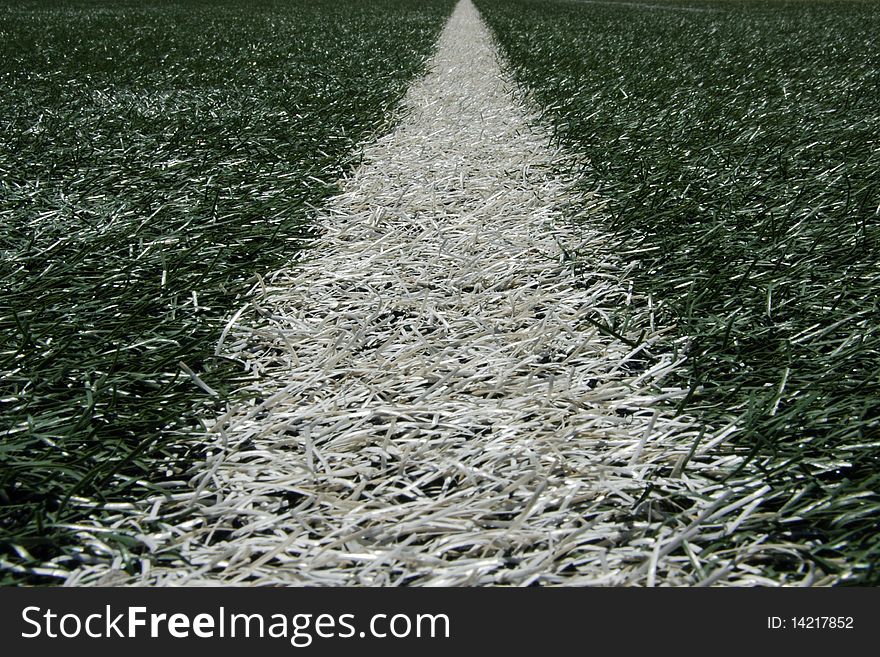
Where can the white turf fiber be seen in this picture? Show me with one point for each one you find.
(429, 406)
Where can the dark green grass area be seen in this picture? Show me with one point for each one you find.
(739, 149)
(155, 156)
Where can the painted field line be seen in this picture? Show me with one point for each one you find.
(433, 403)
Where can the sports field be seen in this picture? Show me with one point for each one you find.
(738, 147)
(155, 158)
(382, 293)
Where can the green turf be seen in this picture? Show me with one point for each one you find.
(155, 156)
(739, 149)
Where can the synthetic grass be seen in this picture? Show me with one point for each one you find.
(154, 157)
(737, 149)
(430, 409)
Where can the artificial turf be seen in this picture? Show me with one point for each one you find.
(737, 145)
(154, 157)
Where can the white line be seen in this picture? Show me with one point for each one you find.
(432, 408)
